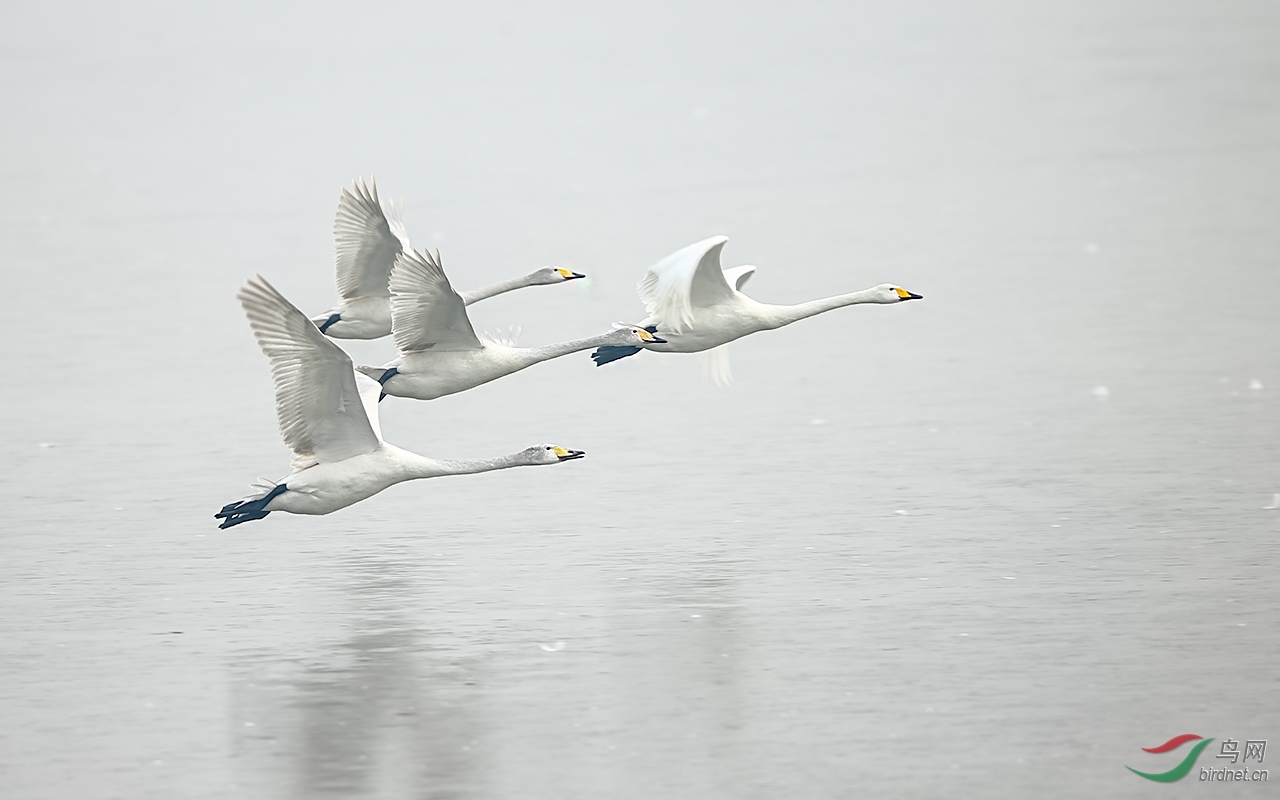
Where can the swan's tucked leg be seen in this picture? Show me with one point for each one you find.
(324, 326)
(240, 511)
(608, 353)
(385, 377)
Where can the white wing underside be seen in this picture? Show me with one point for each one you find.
(689, 278)
(715, 365)
(323, 415)
(370, 393)
(426, 313)
(367, 236)
(737, 277)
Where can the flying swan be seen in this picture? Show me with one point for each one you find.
(440, 353)
(367, 238)
(694, 305)
(328, 417)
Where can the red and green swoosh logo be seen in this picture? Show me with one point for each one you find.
(1180, 771)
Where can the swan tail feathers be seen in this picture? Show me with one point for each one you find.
(249, 509)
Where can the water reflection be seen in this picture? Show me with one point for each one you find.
(391, 706)
(678, 674)
(420, 696)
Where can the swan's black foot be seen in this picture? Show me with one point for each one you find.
(240, 511)
(604, 355)
(608, 353)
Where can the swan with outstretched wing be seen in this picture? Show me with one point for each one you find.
(328, 415)
(367, 237)
(440, 353)
(695, 305)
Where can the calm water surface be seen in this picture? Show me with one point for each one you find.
(914, 551)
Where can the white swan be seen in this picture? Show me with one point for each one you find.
(367, 238)
(694, 304)
(329, 417)
(440, 353)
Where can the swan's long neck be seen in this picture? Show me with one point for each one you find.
(534, 355)
(433, 468)
(785, 315)
(485, 292)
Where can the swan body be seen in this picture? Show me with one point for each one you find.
(328, 416)
(694, 304)
(440, 353)
(367, 238)
(327, 487)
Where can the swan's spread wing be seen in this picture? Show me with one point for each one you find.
(366, 239)
(737, 277)
(426, 313)
(370, 393)
(689, 277)
(322, 418)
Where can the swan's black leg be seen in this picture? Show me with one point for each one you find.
(248, 510)
(609, 353)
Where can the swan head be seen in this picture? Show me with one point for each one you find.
(549, 275)
(892, 293)
(625, 335)
(549, 454)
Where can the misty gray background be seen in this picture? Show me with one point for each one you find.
(1086, 193)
